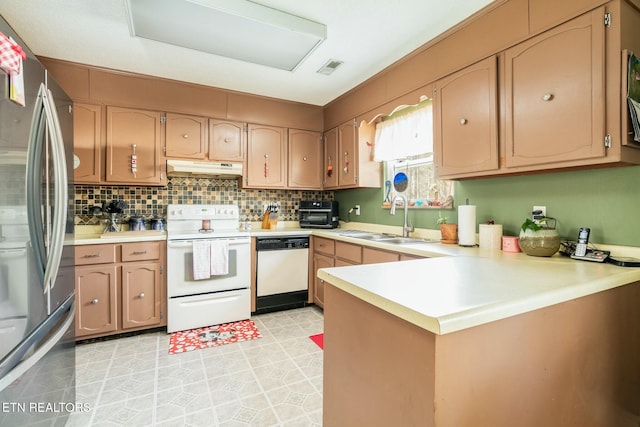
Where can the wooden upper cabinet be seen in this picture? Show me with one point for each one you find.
(266, 157)
(87, 127)
(466, 121)
(186, 136)
(555, 95)
(132, 131)
(348, 157)
(330, 172)
(347, 154)
(226, 140)
(305, 159)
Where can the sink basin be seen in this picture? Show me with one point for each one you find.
(376, 236)
(404, 240)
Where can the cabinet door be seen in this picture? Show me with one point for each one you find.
(331, 166)
(96, 300)
(266, 157)
(86, 143)
(185, 136)
(226, 140)
(347, 154)
(466, 120)
(555, 95)
(305, 159)
(141, 294)
(132, 131)
(320, 261)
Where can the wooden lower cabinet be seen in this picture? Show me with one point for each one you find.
(141, 294)
(123, 290)
(96, 299)
(335, 253)
(320, 261)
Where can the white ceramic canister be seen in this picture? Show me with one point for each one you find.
(490, 236)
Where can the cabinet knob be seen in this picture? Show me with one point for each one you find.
(304, 158)
(226, 140)
(185, 135)
(547, 97)
(463, 121)
(94, 301)
(141, 295)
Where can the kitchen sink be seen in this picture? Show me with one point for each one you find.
(386, 238)
(376, 236)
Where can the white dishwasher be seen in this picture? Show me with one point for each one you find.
(282, 273)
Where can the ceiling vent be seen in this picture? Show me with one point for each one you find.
(329, 67)
(237, 29)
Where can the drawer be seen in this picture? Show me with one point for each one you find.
(140, 251)
(349, 252)
(322, 245)
(375, 256)
(95, 254)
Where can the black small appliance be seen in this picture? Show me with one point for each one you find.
(318, 214)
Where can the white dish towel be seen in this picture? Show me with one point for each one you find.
(219, 257)
(201, 259)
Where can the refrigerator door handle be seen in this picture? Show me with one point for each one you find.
(34, 188)
(60, 191)
(15, 366)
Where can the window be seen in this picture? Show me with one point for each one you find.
(424, 190)
(404, 142)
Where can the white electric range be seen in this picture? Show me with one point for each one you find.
(219, 298)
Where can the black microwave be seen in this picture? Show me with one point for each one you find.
(318, 214)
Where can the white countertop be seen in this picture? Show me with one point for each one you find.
(121, 237)
(461, 288)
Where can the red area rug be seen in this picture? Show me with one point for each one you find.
(212, 336)
(318, 339)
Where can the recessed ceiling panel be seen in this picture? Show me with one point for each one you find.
(235, 29)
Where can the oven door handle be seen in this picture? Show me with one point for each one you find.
(189, 243)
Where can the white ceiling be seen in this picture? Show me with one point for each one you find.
(368, 35)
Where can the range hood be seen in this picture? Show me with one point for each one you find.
(189, 167)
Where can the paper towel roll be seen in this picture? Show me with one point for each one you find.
(467, 225)
(490, 236)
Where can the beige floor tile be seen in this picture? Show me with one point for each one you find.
(275, 380)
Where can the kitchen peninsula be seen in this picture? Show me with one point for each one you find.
(496, 339)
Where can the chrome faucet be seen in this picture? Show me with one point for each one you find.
(406, 228)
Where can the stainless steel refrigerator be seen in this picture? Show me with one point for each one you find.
(37, 349)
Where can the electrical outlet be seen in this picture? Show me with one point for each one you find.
(357, 209)
(538, 212)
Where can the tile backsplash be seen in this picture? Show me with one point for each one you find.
(150, 201)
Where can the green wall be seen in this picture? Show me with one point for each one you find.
(606, 200)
